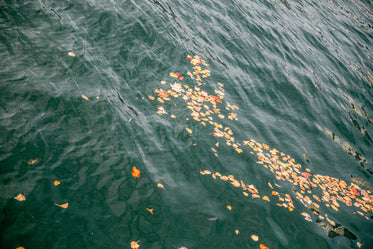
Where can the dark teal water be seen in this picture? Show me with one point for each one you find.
(300, 72)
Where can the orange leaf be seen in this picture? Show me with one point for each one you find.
(266, 198)
(135, 172)
(150, 210)
(20, 197)
(263, 246)
(71, 54)
(134, 245)
(20, 247)
(66, 205)
(85, 97)
(56, 183)
(160, 185)
(229, 207)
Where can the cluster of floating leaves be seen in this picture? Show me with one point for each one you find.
(312, 190)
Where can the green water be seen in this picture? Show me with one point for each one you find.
(299, 71)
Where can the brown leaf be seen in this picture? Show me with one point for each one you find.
(32, 161)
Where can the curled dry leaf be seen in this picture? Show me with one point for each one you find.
(32, 161)
(135, 172)
(188, 130)
(66, 205)
(160, 185)
(254, 237)
(134, 245)
(20, 197)
(229, 207)
(85, 97)
(263, 246)
(56, 183)
(150, 210)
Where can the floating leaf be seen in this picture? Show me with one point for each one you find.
(20, 247)
(263, 246)
(134, 245)
(229, 207)
(188, 130)
(66, 205)
(205, 172)
(254, 237)
(71, 54)
(266, 198)
(20, 197)
(151, 97)
(236, 231)
(56, 183)
(135, 172)
(32, 161)
(160, 185)
(150, 210)
(85, 97)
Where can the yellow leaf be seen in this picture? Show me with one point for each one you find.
(66, 205)
(151, 97)
(20, 197)
(20, 247)
(85, 97)
(56, 183)
(71, 54)
(135, 172)
(236, 231)
(160, 185)
(254, 237)
(229, 207)
(173, 75)
(150, 210)
(266, 198)
(188, 130)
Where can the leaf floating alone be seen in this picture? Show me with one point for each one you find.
(150, 210)
(32, 161)
(188, 130)
(263, 246)
(71, 54)
(229, 207)
(20, 247)
(56, 183)
(66, 205)
(134, 245)
(254, 237)
(85, 97)
(160, 185)
(237, 231)
(135, 172)
(20, 197)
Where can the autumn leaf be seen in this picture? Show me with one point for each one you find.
(263, 246)
(236, 231)
(150, 210)
(134, 245)
(85, 97)
(71, 54)
(205, 172)
(266, 198)
(179, 76)
(160, 185)
(20, 197)
(56, 183)
(135, 172)
(66, 205)
(254, 237)
(188, 130)
(32, 161)
(229, 207)
(20, 247)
